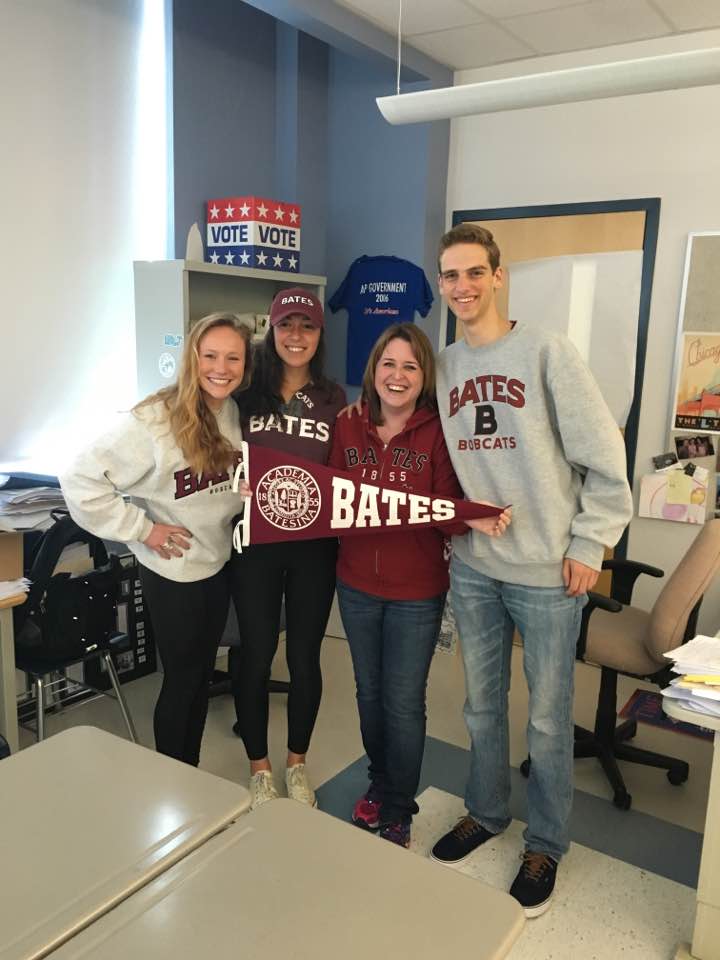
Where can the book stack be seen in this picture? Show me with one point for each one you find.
(697, 686)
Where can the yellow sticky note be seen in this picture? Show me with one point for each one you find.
(679, 487)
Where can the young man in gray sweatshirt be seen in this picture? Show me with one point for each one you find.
(526, 425)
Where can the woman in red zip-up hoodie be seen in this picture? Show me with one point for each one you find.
(391, 586)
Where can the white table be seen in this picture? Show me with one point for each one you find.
(8, 691)
(706, 936)
(86, 819)
(290, 882)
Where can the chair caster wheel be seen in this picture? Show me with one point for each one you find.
(622, 800)
(677, 775)
(525, 768)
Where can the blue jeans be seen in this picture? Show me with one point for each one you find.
(392, 644)
(486, 612)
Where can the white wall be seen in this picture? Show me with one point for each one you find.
(79, 201)
(663, 145)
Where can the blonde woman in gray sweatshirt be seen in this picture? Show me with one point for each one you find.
(173, 455)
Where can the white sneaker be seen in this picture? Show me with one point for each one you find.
(298, 787)
(262, 788)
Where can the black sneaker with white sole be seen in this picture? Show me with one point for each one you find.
(467, 835)
(534, 884)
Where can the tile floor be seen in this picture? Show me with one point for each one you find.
(605, 908)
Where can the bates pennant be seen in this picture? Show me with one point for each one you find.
(296, 499)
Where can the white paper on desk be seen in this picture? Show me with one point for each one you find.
(37, 520)
(699, 655)
(707, 708)
(677, 693)
(46, 495)
(698, 705)
(707, 693)
(11, 588)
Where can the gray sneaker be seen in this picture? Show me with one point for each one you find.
(298, 787)
(262, 788)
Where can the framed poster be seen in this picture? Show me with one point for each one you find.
(696, 397)
(696, 403)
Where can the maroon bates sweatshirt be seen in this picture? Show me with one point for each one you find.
(410, 564)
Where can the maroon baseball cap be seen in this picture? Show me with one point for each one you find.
(296, 300)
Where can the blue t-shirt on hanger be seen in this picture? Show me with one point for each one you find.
(377, 292)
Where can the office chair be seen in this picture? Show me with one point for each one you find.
(4, 748)
(39, 669)
(621, 638)
(68, 620)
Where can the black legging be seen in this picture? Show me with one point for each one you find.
(188, 621)
(304, 570)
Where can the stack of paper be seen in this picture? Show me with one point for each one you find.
(698, 686)
(11, 588)
(29, 509)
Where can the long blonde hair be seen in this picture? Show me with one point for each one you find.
(192, 423)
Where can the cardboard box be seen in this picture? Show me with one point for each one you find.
(11, 556)
(253, 232)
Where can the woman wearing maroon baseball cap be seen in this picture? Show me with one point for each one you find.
(290, 406)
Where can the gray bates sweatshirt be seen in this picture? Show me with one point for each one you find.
(526, 425)
(139, 457)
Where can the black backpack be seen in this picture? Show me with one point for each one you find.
(66, 615)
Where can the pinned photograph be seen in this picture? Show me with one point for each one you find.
(690, 447)
(664, 460)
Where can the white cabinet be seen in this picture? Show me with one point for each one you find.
(170, 295)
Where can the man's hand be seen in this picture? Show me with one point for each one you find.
(351, 409)
(168, 540)
(492, 526)
(578, 578)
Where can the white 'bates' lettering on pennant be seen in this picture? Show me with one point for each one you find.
(421, 509)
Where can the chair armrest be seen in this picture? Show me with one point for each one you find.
(595, 601)
(624, 575)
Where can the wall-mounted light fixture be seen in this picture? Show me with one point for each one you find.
(672, 71)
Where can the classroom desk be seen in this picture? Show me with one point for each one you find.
(289, 881)
(706, 936)
(8, 690)
(86, 819)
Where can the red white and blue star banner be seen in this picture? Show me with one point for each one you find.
(297, 499)
(253, 232)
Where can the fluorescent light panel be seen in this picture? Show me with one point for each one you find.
(673, 71)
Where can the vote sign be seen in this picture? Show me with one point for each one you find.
(253, 232)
